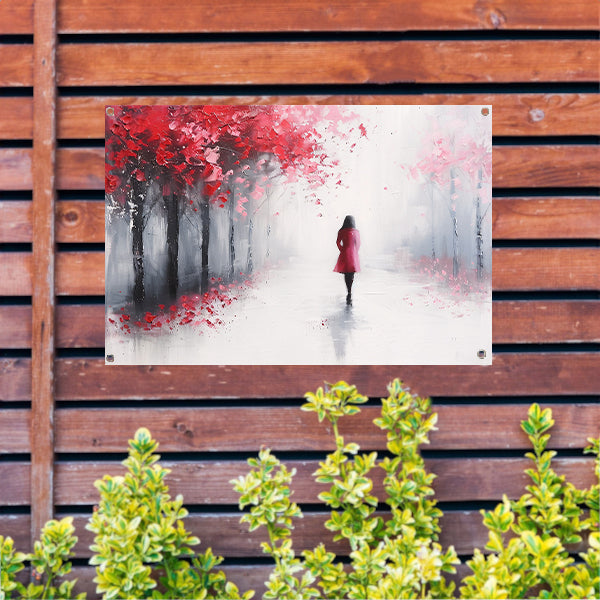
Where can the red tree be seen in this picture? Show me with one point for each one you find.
(212, 150)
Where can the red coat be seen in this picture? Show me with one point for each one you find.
(348, 243)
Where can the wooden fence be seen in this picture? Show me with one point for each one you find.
(65, 417)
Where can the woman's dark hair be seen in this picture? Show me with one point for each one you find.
(349, 222)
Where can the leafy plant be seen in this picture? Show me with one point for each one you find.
(141, 548)
(528, 538)
(50, 561)
(399, 556)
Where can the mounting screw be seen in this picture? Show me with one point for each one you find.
(110, 358)
(481, 354)
(485, 112)
(110, 111)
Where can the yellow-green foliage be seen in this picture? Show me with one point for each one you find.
(400, 557)
(141, 548)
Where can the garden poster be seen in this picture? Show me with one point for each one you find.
(298, 235)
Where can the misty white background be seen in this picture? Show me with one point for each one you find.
(295, 312)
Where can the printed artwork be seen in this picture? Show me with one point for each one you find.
(298, 235)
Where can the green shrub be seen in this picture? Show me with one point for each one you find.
(49, 560)
(400, 557)
(141, 548)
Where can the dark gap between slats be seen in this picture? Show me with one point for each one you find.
(322, 36)
(548, 243)
(15, 353)
(527, 348)
(80, 195)
(285, 456)
(308, 90)
(16, 196)
(297, 402)
(16, 247)
(14, 300)
(517, 192)
(16, 143)
(69, 300)
(80, 246)
(543, 140)
(547, 295)
(16, 38)
(16, 92)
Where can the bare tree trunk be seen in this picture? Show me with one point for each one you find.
(204, 268)
(172, 208)
(250, 258)
(231, 237)
(455, 262)
(137, 244)
(479, 223)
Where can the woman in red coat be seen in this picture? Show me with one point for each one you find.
(348, 243)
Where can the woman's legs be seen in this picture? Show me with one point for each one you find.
(349, 280)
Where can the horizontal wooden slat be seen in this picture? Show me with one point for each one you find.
(16, 66)
(514, 322)
(517, 374)
(311, 15)
(545, 218)
(16, 121)
(208, 482)
(236, 63)
(546, 269)
(15, 432)
(540, 321)
(229, 538)
(15, 224)
(513, 218)
(16, 274)
(15, 169)
(514, 114)
(79, 221)
(74, 16)
(513, 166)
(82, 273)
(290, 429)
(16, 488)
(546, 166)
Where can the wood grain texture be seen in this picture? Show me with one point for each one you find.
(15, 169)
(16, 120)
(16, 65)
(16, 221)
(511, 374)
(237, 63)
(516, 374)
(208, 482)
(514, 322)
(15, 427)
(80, 221)
(229, 538)
(513, 114)
(311, 15)
(545, 321)
(546, 269)
(43, 265)
(85, 16)
(553, 166)
(545, 218)
(290, 429)
(16, 269)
